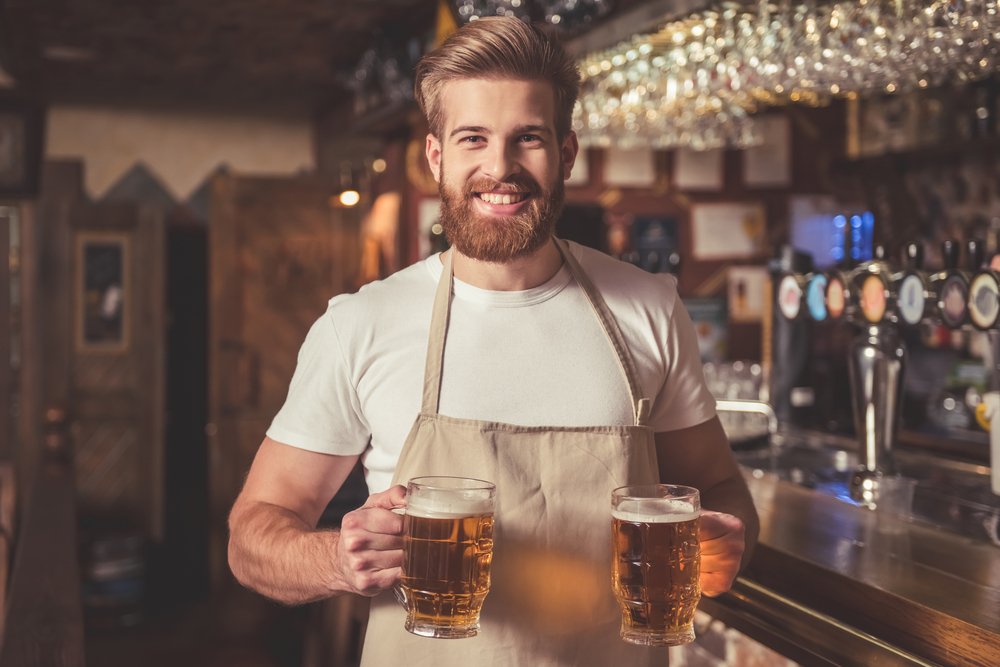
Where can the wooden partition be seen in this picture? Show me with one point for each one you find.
(44, 624)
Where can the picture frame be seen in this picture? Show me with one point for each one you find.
(728, 230)
(102, 290)
(20, 148)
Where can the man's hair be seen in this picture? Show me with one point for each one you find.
(497, 48)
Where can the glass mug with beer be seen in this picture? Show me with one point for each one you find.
(447, 552)
(656, 562)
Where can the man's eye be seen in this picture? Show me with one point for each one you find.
(473, 139)
(528, 138)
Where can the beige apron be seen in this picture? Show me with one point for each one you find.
(550, 600)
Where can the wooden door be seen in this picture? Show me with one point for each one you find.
(101, 340)
(278, 251)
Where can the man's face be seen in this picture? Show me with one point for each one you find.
(499, 166)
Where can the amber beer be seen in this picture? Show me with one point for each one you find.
(656, 562)
(447, 551)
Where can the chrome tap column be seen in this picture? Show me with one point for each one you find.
(877, 359)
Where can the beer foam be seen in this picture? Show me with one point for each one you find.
(430, 505)
(655, 510)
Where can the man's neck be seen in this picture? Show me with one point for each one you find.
(518, 274)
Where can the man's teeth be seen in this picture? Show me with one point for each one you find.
(503, 199)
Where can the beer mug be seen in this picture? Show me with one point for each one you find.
(656, 562)
(447, 551)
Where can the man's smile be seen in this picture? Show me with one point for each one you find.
(504, 198)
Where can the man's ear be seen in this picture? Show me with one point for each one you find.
(433, 152)
(568, 152)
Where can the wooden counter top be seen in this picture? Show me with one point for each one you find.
(911, 593)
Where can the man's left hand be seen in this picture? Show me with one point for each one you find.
(722, 544)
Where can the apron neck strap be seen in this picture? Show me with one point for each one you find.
(439, 332)
(436, 338)
(640, 406)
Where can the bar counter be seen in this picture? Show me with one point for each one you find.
(835, 584)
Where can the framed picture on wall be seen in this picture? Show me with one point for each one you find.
(103, 302)
(20, 148)
(727, 230)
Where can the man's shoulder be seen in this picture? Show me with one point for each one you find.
(400, 295)
(621, 281)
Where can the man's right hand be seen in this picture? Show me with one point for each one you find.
(369, 552)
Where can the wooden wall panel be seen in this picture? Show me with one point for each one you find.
(113, 394)
(279, 250)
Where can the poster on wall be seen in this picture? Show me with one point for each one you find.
(727, 231)
(769, 165)
(708, 315)
(746, 293)
(102, 292)
(629, 167)
(654, 238)
(698, 170)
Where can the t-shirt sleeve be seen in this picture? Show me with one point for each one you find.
(321, 412)
(684, 400)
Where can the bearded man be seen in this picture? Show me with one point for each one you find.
(552, 369)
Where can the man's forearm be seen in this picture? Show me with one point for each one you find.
(272, 551)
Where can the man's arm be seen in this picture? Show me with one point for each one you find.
(700, 456)
(274, 547)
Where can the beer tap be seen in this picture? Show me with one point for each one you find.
(911, 287)
(984, 291)
(984, 312)
(876, 361)
(791, 288)
(872, 284)
(815, 296)
(839, 297)
(951, 288)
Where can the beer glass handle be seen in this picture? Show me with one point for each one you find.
(397, 592)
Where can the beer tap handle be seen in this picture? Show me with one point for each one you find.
(949, 254)
(974, 255)
(879, 253)
(913, 256)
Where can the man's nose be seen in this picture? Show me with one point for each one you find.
(500, 162)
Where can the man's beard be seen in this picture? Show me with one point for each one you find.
(500, 239)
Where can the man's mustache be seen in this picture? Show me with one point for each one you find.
(512, 184)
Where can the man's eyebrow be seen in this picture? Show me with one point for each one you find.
(469, 128)
(538, 129)
(520, 129)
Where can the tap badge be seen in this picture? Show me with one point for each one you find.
(816, 297)
(836, 298)
(789, 297)
(873, 298)
(911, 300)
(984, 301)
(951, 303)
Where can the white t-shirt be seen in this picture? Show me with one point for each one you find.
(535, 357)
